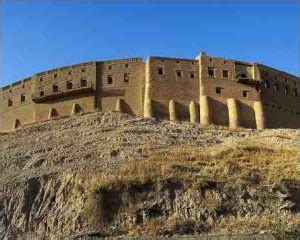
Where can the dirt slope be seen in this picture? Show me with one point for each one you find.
(109, 174)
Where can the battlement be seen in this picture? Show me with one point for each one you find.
(207, 90)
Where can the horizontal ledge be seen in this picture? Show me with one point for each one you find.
(62, 94)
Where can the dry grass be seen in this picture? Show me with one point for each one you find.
(247, 163)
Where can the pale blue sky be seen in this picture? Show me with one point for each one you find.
(40, 36)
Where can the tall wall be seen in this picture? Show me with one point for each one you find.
(120, 81)
(20, 110)
(172, 79)
(208, 89)
(74, 84)
(280, 96)
(219, 82)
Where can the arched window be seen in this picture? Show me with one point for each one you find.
(286, 90)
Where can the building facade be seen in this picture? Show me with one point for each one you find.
(208, 90)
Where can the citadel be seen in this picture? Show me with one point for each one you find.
(208, 90)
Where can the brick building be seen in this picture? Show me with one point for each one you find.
(209, 90)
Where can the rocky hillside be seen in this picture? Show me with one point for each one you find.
(108, 174)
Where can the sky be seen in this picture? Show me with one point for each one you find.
(41, 36)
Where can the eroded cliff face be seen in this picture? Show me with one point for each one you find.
(107, 174)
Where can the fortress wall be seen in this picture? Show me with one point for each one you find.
(220, 88)
(82, 78)
(282, 108)
(21, 109)
(63, 107)
(121, 79)
(168, 85)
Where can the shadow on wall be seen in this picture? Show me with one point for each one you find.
(247, 115)
(126, 108)
(160, 110)
(182, 112)
(219, 112)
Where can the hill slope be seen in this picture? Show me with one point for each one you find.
(109, 174)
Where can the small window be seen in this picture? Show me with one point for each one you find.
(286, 80)
(245, 93)
(295, 83)
(295, 92)
(286, 90)
(211, 72)
(23, 86)
(10, 102)
(126, 77)
(69, 85)
(266, 84)
(83, 70)
(177, 62)
(219, 90)
(23, 97)
(55, 88)
(126, 65)
(42, 93)
(210, 60)
(178, 73)
(70, 73)
(243, 75)
(109, 67)
(225, 73)
(162, 60)
(276, 87)
(41, 79)
(161, 71)
(266, 74)
(83, 82)
(192, 74)
(55, 75)
(275, 77)
(110, 79)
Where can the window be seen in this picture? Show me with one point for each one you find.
(10, 102)
(192, 74)
(42, 93)
(225, 73)
(219, 90)
(177, 62)
(266, 74)
(23, 97)
(243, 75)
(126, 77)
(275, 77)
(178, 73)
(286, 80)
(276, 87)
(211, 72)
(295, 92)
(41, 79)
(161, 71)
(69, 85)
(245, 93)
(70, 73)
(266, 84)
(110, 79)
(55, 88)
(286, 90)
(55, 75)
(109, 67)
(83, 70)
(126, 65)
(83, 82)
(210, 60)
